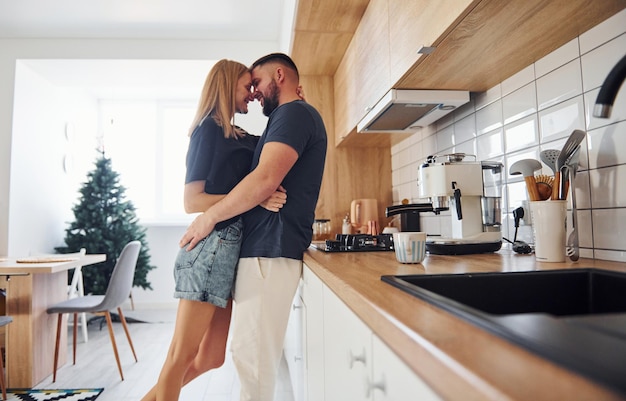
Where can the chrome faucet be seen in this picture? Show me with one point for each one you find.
(609, 89)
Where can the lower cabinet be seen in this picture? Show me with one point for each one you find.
(313, 335)
(392, 380)
(342, 359)
(293, 348)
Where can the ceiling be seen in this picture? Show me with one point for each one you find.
(145, 19)
(216, 20)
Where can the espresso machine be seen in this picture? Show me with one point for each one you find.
(471, 191)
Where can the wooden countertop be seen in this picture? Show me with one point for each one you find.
(47, 264)
(458, 360)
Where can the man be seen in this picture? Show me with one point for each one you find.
(291, 154)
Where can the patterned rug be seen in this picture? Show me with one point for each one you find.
(76, 394)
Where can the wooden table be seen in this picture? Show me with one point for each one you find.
(30, 289)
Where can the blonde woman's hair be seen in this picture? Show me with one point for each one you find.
(217, 99)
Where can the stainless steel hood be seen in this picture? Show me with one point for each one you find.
(407, 110)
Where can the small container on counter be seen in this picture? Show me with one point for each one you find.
(346, 227)
(321, 229)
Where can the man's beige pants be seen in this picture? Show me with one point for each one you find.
(264, 290)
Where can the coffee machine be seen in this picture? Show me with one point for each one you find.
(471, 191)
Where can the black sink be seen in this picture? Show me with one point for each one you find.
(574, 317)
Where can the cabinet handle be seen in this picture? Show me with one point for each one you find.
(297, 358)
(356, 358)
(368, 109)
(371, 386)
(294, 306)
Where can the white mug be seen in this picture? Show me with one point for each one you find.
(410, 247)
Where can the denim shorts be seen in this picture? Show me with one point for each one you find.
(207, 272)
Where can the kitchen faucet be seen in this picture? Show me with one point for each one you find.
(609, 89)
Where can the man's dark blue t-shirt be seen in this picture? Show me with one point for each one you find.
(220, 162)
(288, 233)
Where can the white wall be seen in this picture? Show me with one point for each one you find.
(534, 110)
(47, 164)
(14, 217)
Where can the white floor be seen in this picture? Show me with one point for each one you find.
(95, 365)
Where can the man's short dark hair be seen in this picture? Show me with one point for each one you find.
(280, 58)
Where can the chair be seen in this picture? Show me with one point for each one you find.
(77, 289)
(117, 293)
(4, 320)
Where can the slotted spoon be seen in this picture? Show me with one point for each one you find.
(549, 157)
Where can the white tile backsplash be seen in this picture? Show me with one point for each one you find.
(607, 187)
(537, 109)
(489, 117)
(490, 145)
(618, 114)
(597, 63)
(559, 85)
(522, 78)
(606, 145)
(609, 230)
(483, 99)
(521, 134)
(445, 139)
(465, 129)
(557, 58)
(603, 32)
(520, 103)
(561, 119)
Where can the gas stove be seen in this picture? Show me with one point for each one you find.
(356, 243)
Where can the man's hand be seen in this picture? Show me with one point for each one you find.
(199, 228)
(276, 201)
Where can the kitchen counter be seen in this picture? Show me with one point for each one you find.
(458, 360)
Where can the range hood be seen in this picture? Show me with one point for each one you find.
(407, 110)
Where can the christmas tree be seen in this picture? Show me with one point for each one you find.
(105, 223)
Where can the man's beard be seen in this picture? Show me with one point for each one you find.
(270, 101)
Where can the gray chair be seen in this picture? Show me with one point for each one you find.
(117, 293)
(4, 320)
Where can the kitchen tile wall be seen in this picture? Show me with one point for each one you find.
(537, 109)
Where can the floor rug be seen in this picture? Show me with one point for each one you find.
(77, 394)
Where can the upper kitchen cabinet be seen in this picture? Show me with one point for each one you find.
(493, 39)
(323, 30)
(417, 23)
(363, 76)
(385, 46)
(478, 43)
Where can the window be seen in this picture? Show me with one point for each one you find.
(147, 143)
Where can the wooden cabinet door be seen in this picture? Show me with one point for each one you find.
(347, 351)
(418, 23)
(392, 380)
(363, 77)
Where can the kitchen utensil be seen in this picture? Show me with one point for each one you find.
(544, 186)
(575, 138)
(549, 157)
(361, 212)
(572, 249)
(527, 168)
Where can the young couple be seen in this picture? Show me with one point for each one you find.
(247, 229)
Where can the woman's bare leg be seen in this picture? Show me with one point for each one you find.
(208, 355)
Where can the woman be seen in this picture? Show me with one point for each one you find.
(219, 156)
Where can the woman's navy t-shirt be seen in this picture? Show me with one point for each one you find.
(218, 161)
